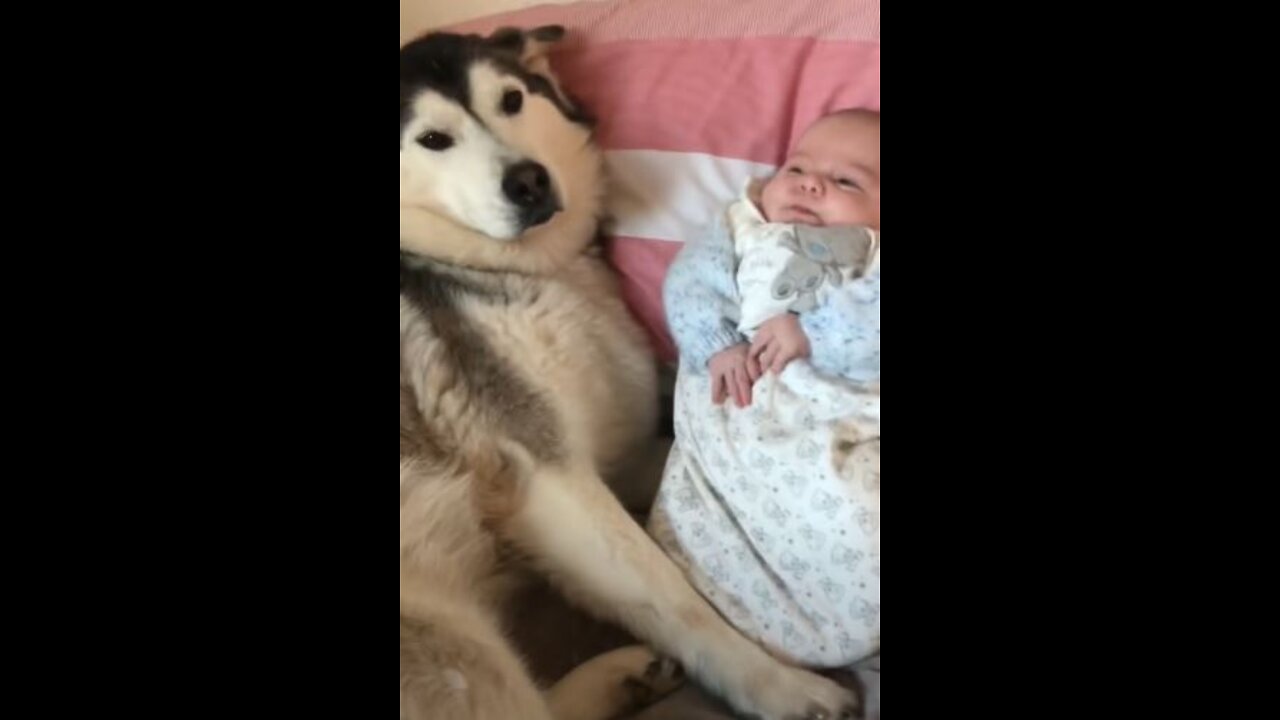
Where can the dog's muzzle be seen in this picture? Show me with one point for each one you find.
(528, 186)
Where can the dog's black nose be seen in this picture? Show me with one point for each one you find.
(527, 184)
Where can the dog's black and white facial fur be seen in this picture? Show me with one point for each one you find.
(468, 106)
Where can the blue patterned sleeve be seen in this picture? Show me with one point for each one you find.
(701, 297)
(845, 331)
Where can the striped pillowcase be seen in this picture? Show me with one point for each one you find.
(693, 98)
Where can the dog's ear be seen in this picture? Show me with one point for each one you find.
(530, 47)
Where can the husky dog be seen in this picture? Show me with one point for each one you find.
(523, 383)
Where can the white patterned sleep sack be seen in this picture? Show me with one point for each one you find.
(774, 511)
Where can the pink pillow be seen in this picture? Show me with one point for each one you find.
(694, 97)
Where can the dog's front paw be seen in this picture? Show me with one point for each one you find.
(662, 677)
(615, 684)
(799, 695)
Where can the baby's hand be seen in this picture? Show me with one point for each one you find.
(733, 372)
(779, 341)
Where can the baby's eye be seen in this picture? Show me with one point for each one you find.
(794, 170)
(847, 183)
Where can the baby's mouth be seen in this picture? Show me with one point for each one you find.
(804, 214)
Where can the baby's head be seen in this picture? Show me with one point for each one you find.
(832, 176)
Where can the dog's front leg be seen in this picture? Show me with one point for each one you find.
(600, 558)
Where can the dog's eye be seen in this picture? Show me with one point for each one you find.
(512, 102)
(439, 142)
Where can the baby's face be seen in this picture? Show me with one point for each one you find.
(832, 177)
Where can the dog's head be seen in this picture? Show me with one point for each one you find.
(488, 141)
